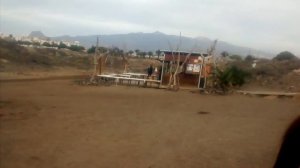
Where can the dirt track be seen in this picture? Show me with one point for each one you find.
(59, 124)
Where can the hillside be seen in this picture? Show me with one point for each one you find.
(13, 54)
(28, 62)
(18, 62)
(158, 40)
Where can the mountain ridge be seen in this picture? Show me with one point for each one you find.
(38, 34)
(158, 40)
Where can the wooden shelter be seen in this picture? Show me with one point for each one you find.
(197, 65)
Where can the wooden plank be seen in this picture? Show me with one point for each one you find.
(127, 76)
(151, 80)
(137, 74)
(267, 93)
(120, 79)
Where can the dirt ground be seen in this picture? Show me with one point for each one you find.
(58, 124)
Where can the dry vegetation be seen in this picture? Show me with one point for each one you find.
(25, 62)
(18, 56)
(20, 62)
(271, 74)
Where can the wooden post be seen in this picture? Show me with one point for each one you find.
(200, 73)
(95, 63)
(199, 80)
(162, 72)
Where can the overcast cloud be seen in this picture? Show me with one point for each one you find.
(271, 25)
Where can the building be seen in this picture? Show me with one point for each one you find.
(192, 63)
(196, 64)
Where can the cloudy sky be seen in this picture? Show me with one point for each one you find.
(271, 25)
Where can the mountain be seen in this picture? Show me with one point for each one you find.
(38, 34)
(157, 40)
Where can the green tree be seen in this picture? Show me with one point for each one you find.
(249, 58)
(46, 44)
(24, 42)
(143, 54)
(115, 51)
(130, 52)
(158, 52)
(76, 48)
(54, 44)
(285, 55)
(62, 45)
(91, 50)
(137, 51)
(35, 43)
(100, 49)
(150, 54)
(224, 54)
(236, 57)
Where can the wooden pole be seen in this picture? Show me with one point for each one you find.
(203, 67)
(199, 80)
(204, 86)
(95, 62)
(95, 55)
(162, 72)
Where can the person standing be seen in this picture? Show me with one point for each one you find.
(159, 73)
(150, 70)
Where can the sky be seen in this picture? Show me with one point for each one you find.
(269, 25)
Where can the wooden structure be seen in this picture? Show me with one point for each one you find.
(129, 79)
(268, 93)
(99, 61)
(196, 66)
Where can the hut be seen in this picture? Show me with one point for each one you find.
(197, 65)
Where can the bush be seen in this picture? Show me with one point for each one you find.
(224, 54)
(100, 49)
(249, 58)
(231, 76)
(285, 55)
(236, 57)
(76, 48)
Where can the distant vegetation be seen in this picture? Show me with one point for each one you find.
(42, 57)
(14, 56)
(250, 58)
(115, 51)
(53, 45)
(236, 57)
(285, 55)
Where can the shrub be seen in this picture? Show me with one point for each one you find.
(249, 58)
(285, 55)
(236, 57)
(231, 76)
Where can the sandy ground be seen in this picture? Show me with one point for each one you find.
(59, 124)
(55, 72)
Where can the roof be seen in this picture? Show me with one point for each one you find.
(184, 53)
